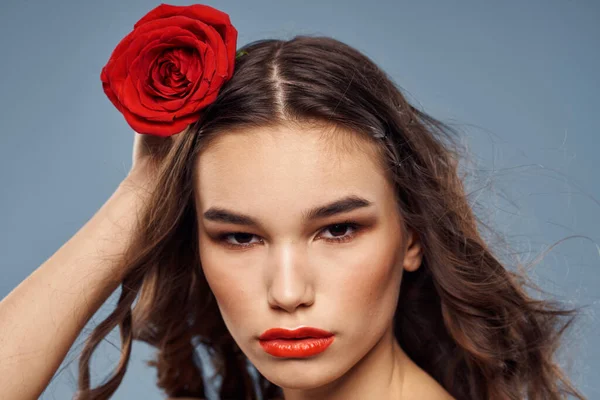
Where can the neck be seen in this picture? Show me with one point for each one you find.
(378, 375)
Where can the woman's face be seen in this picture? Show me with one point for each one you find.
(280, 266)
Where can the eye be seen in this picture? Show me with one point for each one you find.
(237, 236)
(338, 231)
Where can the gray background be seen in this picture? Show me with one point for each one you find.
(520, 78)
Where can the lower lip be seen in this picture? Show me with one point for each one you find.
(296, 348)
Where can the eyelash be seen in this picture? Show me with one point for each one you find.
(350, 224)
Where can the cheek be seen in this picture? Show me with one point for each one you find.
(369, 287)
(233, 289)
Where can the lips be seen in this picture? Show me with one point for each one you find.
(300, 333)
(298, 343)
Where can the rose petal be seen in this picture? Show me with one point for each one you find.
(207, 34)
(210, 16)
(163, 100)
(138, 70)
(120, 62)
(147, 93)
(161, 103)
(145, 126)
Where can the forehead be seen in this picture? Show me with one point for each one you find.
(282, 163)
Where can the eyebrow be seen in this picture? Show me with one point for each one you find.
(343, 205)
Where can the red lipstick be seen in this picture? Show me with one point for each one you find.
(298, 343)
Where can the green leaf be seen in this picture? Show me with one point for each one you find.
(240, 53)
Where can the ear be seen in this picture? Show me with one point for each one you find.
(413, 256)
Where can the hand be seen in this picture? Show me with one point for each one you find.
(149, 152)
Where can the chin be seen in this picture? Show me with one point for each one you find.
(302, 374)
(300, 382)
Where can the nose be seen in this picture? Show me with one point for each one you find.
(289, 279)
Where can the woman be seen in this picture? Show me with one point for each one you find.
(307, 227)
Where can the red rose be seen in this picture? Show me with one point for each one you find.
(170, 66)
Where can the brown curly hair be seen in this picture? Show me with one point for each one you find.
(463, 316)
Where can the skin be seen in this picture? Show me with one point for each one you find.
(291, 273)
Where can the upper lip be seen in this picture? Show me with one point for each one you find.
(299, 333)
